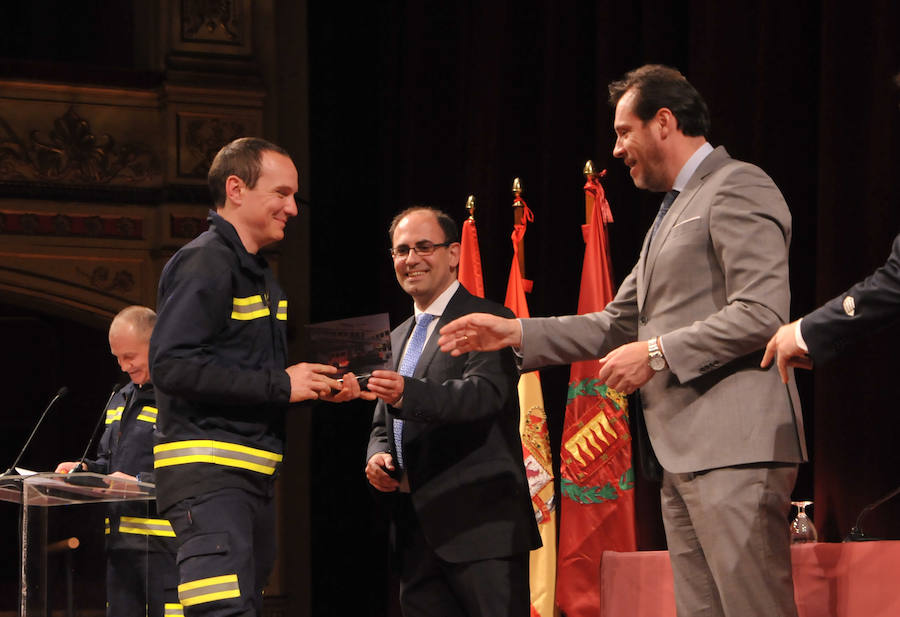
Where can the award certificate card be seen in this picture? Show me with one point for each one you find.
(357, 344)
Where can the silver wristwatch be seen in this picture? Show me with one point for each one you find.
(657, 361)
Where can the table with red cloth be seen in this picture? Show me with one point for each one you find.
(851, 579)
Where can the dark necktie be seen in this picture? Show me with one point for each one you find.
(663, 208)
(407, 368)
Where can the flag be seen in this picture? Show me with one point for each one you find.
(535, 446)
(596, 477)
(470, 260)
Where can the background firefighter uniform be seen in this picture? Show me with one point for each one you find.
(217, 357)
(136, 586)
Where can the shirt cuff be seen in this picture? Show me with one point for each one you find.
(518, 350)
(662, 347)
(798, 336)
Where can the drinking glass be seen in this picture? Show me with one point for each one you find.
(802, 528)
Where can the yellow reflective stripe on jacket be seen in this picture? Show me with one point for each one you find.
(217, 453)
(282, 310)
(173, 609)
(106, 521)
(114, 415)
(148, 413)
(146, 526)
(209, 589)
(249, 308)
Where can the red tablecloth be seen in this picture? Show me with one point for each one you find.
(854, 579)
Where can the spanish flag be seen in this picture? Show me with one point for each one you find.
(535, 445)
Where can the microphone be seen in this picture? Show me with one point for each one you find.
(59, 394)
(115, 390)
(856, 534)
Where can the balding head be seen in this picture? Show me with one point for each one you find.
(129, 341)
(141, 318)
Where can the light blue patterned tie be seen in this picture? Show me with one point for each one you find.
(663, 208)
(407, 368)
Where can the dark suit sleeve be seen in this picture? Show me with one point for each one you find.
(484, 384)
(378, 437)
(829, 329)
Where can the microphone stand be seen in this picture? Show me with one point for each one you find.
(59, 394)
(97, 426)
(856, 534)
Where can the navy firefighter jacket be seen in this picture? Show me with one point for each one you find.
(127, 446)
(217, 359)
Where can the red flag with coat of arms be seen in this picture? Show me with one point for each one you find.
(596, 477)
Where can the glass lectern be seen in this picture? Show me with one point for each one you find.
(66, 504)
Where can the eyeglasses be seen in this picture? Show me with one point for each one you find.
(422, 249)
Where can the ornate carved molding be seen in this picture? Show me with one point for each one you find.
(212, 21)
(187, 227)
(72, 153)
(99, 278)
(200, 136)
(71, 225)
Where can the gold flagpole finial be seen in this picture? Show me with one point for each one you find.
(470, 207)
(517, 187)
(589, 169)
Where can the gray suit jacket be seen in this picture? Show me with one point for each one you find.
(714, 286)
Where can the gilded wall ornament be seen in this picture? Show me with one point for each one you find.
(72, 153)
(100, 278)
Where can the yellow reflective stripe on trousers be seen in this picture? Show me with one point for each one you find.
(146, 526)
(114, 415)
(148, 414)
(249, 308)
(282, 310)
(209, 590)
(216, 453)
(173, 609)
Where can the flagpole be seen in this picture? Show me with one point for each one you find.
(470, 275)
(518, 213)
(588, 195)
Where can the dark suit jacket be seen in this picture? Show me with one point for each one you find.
(461, 445)
(829, 329)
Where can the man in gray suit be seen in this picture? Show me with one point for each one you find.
(686, 327)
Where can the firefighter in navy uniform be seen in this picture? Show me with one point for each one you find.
(218, 357)
(141, 577)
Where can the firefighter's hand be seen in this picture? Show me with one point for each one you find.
(311, 381)
(348, 389)
(67, 467)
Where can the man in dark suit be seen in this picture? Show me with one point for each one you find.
(709, 288)
(445, 443)
(864, 308)
(839, 323)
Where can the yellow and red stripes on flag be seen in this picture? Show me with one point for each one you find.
(470, 257)
(596, 478)
(535, 445)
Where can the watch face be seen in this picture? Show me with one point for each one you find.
(657, 363)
